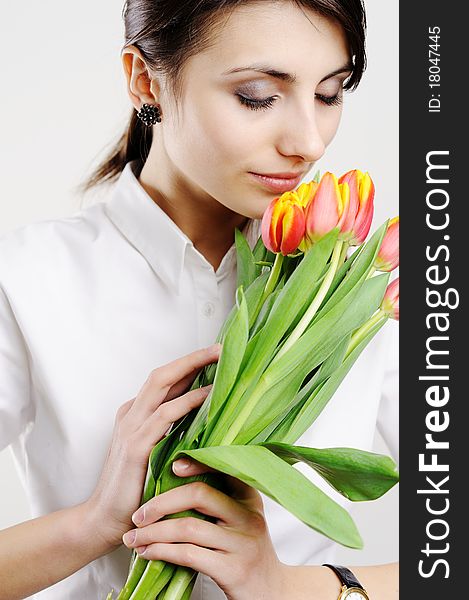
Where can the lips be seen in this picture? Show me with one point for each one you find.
(278, 182)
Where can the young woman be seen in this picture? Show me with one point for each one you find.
(234, 103)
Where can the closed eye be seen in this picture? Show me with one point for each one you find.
(255, 104)
(265, 103)
(335, 100)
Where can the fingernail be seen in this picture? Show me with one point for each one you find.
(181, 464)
(215, 348)
(141, 550)
(129, 537)
(139, 516)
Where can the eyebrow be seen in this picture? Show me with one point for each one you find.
(288, 77)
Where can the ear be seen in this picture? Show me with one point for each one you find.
(141, 87)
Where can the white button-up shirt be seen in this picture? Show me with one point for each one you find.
(89, 305)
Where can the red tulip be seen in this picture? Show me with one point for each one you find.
(388, 255)
(357, 222)
(283, 224)
(390, 303)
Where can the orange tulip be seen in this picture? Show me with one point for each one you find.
(390, 303)
(357, 222)
(283, 224)
(388, 255)
(326, 209)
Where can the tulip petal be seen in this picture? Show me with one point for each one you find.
(361, 206)
(293, 229)
(322, 213)
(266, 227)
(390, 303)
(388, 255)
(283, 224)
(306, 192)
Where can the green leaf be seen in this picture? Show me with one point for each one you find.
(259, 252)
(357, 272)
(319, 399)
(254, 296)
(231, 357)
(164, 447)
(292, 297)
(310, 387)
(259, 406)
(258, 467)
(265, 311)
(246, 269)
(356, 474)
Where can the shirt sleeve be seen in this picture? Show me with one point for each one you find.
(15, 394)
(388, 415)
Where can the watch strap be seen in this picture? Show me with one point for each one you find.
(345, 575)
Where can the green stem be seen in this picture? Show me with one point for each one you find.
(188, 592)
(273, 277)
(270, 285)
(315, 304)
(179, 583)
(343, 254)
(138, 568)
(364, 330)
(156, 576)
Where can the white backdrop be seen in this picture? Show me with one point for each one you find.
(63, 104)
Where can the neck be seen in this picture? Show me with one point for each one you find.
(206, 222)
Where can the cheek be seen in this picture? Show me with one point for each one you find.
(329, 123)
(217, 134)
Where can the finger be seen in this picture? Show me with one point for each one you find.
(188, 529)
(188, 467)
(200, 559)
(160, 380)
(171, 373)
(182, 386)
(197, 495)
(157, 424)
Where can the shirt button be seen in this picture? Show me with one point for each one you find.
(208, 309)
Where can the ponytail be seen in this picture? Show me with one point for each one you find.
(133, 144)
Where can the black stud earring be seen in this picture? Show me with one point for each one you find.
(149, 114)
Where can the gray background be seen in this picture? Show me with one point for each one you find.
(63, 104)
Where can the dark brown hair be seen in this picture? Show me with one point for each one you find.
(168, 32)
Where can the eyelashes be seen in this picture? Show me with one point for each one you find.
(257, 104)
(266, 103)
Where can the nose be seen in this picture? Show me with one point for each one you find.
(300, 135)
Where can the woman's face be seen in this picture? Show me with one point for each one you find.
(265, 98)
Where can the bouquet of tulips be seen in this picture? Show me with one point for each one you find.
(306, 307)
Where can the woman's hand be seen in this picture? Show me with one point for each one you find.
(236, 551)
(139, 425)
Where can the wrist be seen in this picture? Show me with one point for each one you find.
(87, 532)
(309, 581)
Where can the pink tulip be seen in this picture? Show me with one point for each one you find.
(326, 209)
(388, 255)
(390, 303)
(357, 221)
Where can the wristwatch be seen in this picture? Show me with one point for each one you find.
(351, 587)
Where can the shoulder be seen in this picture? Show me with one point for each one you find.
(49, 244)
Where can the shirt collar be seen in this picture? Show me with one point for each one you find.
(151, 231)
